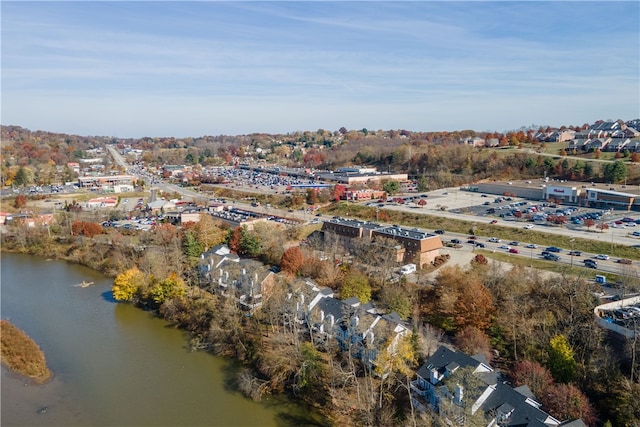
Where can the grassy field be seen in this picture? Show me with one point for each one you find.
(21, 354)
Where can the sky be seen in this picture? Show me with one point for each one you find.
(141, 68)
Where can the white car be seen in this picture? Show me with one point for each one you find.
(504, 247)
(531, 246)
(529, 226)
(602, 256)
(494, 240)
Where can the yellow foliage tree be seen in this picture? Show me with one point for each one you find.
(171, 287)
(127, 284)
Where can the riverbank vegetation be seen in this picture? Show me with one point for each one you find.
(21, 354)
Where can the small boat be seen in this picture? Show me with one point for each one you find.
(84, 284)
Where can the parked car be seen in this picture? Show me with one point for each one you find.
(553, 249)
(456, 241)
(602, 256)
(514, 251)
(575, 253)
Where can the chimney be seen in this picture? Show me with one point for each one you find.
(458, 395)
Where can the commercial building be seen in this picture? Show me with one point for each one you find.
(415, 246)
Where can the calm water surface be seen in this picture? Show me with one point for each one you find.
(114, 365)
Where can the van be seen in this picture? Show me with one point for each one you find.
(408, 269)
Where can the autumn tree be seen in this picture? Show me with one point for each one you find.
(20, 201)
(84, 228)
(292, 260)
(472, 340)
(356, 284)
(567, 402)
(561, 362)
(459, 299)
(128, 284)
(532, 374)
(165, 289)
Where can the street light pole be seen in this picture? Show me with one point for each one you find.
(572, 241)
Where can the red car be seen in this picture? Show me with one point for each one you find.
(514, 251)
(495, 221)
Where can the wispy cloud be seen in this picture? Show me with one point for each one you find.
(339, 61)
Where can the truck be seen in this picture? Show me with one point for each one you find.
(408, 269)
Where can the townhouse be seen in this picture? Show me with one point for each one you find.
(466, 390)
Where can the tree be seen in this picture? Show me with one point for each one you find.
(291, 260)
(615, 172)
(127, 284)
(356, 284)
(233, 239)
(191, 244)
(23, 177)
(561, 362)
(170, 287)
(20, 201)
(532, 374)
(589, 223)
(391, 187)
(567, 402)
(338, 191)
(472, 340)
(422, 184)
(250, 244)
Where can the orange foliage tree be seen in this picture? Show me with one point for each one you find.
(87, 229)
(292, 259)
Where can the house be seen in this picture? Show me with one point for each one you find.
(617, 144)
(473, 141)
(561, 135)
(247, 281)
(578, 144)
(596, 144)
(463, 388)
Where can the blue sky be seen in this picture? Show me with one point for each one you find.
(133, 69)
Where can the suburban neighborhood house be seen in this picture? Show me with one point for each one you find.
(467, 390)
(415, 246)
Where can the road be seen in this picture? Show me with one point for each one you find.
(609, 266)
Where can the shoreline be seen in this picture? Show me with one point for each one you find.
(22, 356)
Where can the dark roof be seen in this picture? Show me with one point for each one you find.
(444, 357)
(523, 414)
